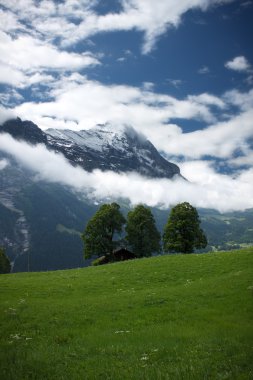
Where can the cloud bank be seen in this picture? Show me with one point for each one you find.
(26, 60)
(158, 116)
(73, 21)
(206, 189)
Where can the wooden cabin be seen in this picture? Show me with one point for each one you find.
(119, 254)
(122, 254)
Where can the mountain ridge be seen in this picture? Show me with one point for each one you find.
(98, 148)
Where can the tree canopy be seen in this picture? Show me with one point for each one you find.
(100, 231)
(5, 265)
(142, 234)
(182, 232)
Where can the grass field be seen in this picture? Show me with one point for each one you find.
(168, 317)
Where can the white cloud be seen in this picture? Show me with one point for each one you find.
(238, 64)
(6, 114)
(208, 99)
(10, 97)
(150, 17)
(11, 76)
(175, 82)
(243, 100)
(207, 189)
(219, 140)
(81, 104)
(204, 70)
(30, 32)
(148, 86)
(28, 53)
(245, 160)
(25, 55)
(19, 78)
(142, 108)
(3, 164)
(77, 20)
(9, 21)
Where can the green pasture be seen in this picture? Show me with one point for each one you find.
(167, 317)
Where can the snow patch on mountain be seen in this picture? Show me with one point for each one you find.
(100, 138)
(107, 147)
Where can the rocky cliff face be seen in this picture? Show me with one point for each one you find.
(24, 130)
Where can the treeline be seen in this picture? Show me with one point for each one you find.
(182, 232)
(104, 231)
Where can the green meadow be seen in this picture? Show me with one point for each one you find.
(167, 317)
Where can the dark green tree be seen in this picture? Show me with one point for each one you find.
(100, 231)
(182, 232)
(142, 234)
(5, 265)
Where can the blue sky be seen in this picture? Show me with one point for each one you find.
(202, 40)
(181, 73)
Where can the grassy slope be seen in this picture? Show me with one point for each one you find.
(169, 317)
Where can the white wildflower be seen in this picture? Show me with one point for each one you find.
(16, 336)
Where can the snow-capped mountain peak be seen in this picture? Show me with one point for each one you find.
(106, 147)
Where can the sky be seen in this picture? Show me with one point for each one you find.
(179, 72)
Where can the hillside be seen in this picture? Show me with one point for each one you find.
(167, 317)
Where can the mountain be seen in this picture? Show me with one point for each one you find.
(24, 130)
(99, 148)
(41, 223)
